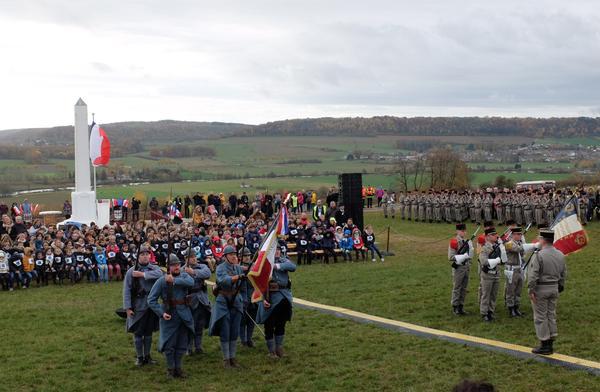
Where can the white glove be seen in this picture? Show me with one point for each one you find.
(538, 245)
(461, 258)
(503, 255)
(500, 241)
(494, 262)
(529, 247)
(471, 249)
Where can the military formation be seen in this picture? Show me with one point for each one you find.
(537, 207)
(176, 304)
(542, 264)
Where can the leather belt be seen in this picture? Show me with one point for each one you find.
(175, 302)
(227, 293)
(546, 283)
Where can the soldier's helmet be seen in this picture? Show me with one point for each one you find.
(245, 252)
(228, 250)
(173, 259)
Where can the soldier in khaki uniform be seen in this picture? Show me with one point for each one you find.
(492, 254)
(515, 251)
(545, 279)
(460, 253)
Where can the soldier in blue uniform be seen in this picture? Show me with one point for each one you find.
(250, 309)
(229, 307)
(198, 299)
(141, 321)
(276, 308)
(176, 321)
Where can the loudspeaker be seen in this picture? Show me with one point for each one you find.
(350, 196)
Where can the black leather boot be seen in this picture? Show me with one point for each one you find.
(518, 312)
(545, 348)
(139, 362)
(461, 311)
(455, 310)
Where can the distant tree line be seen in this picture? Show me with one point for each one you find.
(433, 126)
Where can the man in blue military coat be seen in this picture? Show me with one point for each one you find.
(198, 299)
(227, 312)
(250, 309)
(276, 309)
(141, 321)
(176, 321)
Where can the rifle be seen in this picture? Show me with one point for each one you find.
(135, 284)
(465, 245)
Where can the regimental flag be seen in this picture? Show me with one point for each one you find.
(569, 235)
(262, 269)
(260, 272)
(99, 146)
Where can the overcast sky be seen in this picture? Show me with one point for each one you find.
(254, 61)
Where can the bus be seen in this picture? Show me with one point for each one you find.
(545, 185)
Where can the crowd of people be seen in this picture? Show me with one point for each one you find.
(525, 206)
(32, 253)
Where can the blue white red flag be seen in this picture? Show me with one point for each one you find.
(569, 235)
(282, 221)
(174, 211)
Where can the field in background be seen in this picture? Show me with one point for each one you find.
(68, 338)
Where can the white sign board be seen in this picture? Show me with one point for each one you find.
(103, 209)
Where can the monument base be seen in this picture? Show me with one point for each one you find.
(84, 207)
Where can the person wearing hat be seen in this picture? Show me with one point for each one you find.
(141, 321)
(489, 259)
(460, 253)
(276, 308)
(176, 321)
(229, 306)
(545, 280)
(250, 309)
(198, 299)
(515, 252)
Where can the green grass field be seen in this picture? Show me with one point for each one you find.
(68, 338)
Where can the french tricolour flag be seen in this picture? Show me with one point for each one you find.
(262, 269)
(174, 211)
(569, 235)
(282, 221)
(99, 146)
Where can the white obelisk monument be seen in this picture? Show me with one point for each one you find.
(83, 199)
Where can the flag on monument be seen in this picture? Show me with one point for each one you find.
(262, 269)
(99, 146)
(569, 235)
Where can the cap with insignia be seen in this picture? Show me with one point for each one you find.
(461, 226)
(517, 230)
(547, 234)
(490, 231)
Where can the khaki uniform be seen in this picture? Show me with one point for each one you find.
(513, 272)
(490, 280)
(460, 272)
(546, 272)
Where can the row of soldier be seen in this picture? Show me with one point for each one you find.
(537, 207)
(185, 310)
(543, 265)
